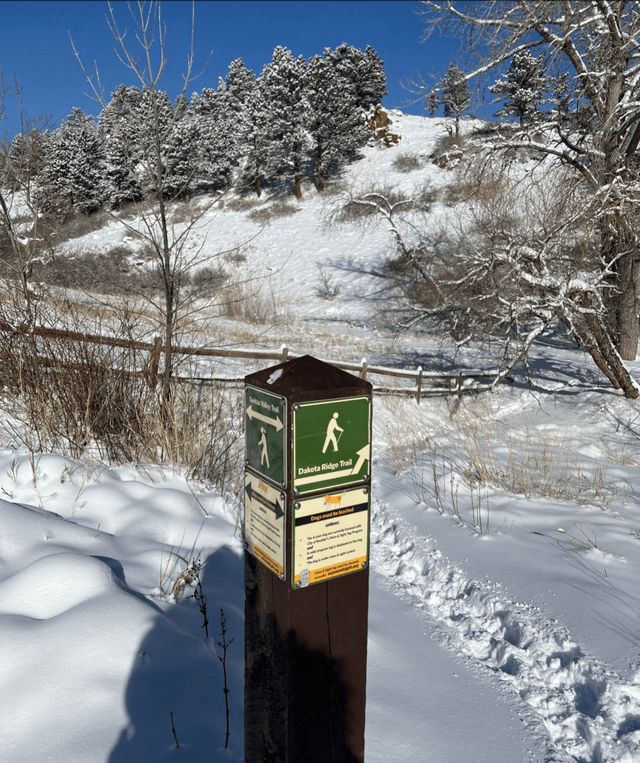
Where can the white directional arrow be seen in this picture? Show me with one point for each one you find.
(363, 455)
(261, 417)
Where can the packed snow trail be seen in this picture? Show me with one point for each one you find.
(590, 713)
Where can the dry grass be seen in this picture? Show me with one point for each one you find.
(81, 399)
(460, 463)
(256, 303)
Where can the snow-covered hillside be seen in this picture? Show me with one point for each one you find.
(504, 609)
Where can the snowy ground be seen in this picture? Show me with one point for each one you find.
(504, 610)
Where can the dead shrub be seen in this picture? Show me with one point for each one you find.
(208, 279)
(279, 208)
(327, 288)
(406, 163)
(242, 203)
(118, 270)
(446, 143)
(361, 206)
(254, 302)
(181, 212)
(78, 224)
(426, 195)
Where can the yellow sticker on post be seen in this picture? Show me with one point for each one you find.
(330, 536)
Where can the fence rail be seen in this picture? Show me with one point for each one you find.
(453, 380)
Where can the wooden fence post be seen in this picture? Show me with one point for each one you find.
(307, 515)
(419, 385)
(363, 369)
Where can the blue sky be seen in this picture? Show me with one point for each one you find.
(34, 44)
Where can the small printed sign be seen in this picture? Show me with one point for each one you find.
(330, 536)
(265, 419)
(264, 523)
(331, 443)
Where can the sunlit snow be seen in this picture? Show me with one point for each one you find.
(504, 622)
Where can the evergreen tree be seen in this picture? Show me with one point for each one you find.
(453, 93)
(431, 103)
(216, 149)
(73, 173)
(24, 158)
(184, 166)
(284, 87)
(365, 72)
(371, 80)
(156, 121)
(119, 128)
(255, 166)
(336, 119)
(523, 90)
(561, 100)
(237, 92)
(239, 85)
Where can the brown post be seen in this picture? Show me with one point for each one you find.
(307, 513)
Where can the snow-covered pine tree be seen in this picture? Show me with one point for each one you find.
(336, 120)
(364, 70)
(523, 90)
(370, 80)
(119, 125)
(453, 93)
(255, 163)
(560, 100)
(431, 103)
(184, 166)
(239, 85)
(24, 158)
(74, 167)
(156, 123)
(216, 139)
(284, 87)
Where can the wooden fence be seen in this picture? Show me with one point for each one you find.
(454, 383)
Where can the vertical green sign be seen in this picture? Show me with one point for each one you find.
(265, 419)
(331, 443)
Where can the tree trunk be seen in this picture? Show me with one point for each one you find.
(595, 338)
(296, 173)
(320, 172)
(258, 186)
(626, 306)
(621, 298)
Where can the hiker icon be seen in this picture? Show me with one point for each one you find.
(264, 456)
(331, 434)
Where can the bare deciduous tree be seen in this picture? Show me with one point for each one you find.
(173, 248)
(598, 45)
(517, 257)
(20, 222)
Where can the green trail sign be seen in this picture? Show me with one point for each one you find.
(331, 444)
(265, 418)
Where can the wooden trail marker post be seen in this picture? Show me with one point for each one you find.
(307, 517)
